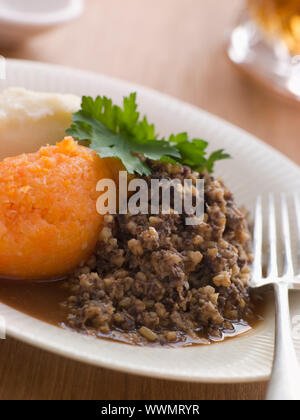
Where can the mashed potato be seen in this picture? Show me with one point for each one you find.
(29, 120)
(48, 218)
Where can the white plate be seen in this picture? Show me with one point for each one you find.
(256, 169)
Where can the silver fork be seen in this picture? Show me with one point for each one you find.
(285, 379)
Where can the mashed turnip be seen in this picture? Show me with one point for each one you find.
(48, 218)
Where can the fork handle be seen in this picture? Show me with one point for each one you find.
(285, 380)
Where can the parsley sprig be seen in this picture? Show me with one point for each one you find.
(118, 132)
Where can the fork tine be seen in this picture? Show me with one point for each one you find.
(286, 232)
(257, 241)
(273, 266)
(297, 208)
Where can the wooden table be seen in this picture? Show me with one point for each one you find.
(177, 47)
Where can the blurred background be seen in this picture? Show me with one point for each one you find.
(175, 46)
(179, 47)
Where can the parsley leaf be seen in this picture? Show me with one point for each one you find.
(115, 132)
(214, 157)
(118, 132)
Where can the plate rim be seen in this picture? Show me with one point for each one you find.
(57, 349)
(147, 373)
(155, 93)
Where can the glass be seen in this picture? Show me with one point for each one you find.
(266, 44)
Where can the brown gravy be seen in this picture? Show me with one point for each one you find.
(39, 300)
(44, 301)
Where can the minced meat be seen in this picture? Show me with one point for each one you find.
(153, 279)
